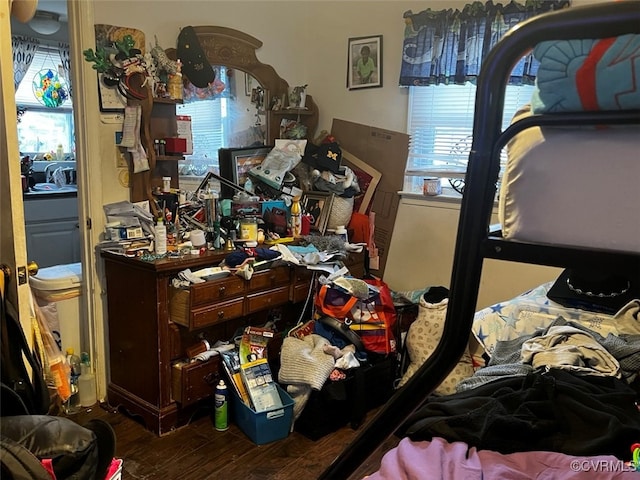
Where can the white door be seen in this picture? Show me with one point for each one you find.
(13, 246)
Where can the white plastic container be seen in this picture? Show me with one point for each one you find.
(161, 237)
(87, 382)
(59, 288)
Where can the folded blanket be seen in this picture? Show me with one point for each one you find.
(587, 74)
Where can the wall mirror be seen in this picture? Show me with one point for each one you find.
(236, 51)
(256, 87)
(229, 113)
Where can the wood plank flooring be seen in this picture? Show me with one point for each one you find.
(199, 452)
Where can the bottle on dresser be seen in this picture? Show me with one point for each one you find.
(160, 240)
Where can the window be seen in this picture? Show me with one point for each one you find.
(207, 129)
(42, 129)
(218, 119)
(440, 125)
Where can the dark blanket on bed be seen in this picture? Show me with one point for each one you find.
(554, 411)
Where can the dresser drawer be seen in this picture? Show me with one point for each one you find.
(191, 382)
(215, 290)
(209, 315)
(268, 279)
(268, 299)
(207, 303)
(300, 284)
(299, 291)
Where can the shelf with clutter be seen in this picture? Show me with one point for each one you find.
(152, 86)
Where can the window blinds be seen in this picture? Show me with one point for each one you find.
(440, 125)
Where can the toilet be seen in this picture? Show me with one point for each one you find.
(58, 293)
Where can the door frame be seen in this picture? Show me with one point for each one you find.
(87, 131)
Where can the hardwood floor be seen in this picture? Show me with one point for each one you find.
(199, 452)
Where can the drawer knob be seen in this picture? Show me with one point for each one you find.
(221, 314)
(211, 379)
(222, 290)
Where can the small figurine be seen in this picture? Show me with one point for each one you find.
(297, 97)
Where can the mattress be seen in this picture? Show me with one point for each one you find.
(572, 187)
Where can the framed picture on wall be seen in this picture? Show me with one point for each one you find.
(235, 164)
(364, 68)
(248, 84)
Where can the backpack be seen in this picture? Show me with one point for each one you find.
(20, 394)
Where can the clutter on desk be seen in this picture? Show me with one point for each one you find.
(300, 195)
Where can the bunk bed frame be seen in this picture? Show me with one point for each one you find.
(477, 239)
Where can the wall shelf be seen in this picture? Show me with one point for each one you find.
(158, 121)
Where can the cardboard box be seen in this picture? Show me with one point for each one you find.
(264, 427)
(385, 151)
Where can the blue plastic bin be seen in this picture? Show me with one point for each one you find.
(264, 427)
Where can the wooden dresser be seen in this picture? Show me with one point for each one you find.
(151, 324)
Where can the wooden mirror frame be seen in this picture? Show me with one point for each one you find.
(236, 49)
(233, 49)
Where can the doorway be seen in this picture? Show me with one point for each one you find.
(78, 31)
(46, 136)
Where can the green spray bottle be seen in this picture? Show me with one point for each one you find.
(220, 399)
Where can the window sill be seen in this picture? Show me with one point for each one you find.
(448, 195)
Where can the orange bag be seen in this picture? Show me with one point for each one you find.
(372, 319)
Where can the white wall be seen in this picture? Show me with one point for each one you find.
(305, 41)
(422, 247)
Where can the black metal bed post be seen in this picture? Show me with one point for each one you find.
(601, 20)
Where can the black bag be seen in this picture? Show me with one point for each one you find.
(19, 394)
(347, 401)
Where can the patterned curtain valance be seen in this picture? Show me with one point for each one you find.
(448, 46)
(65, 59)
(24, 50)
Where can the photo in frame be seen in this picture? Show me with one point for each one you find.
(248, 84)
(235, 164)
(368, 178)
(111, 100)
(318, 205)
(364, 65)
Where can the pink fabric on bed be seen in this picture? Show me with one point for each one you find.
(439, 459)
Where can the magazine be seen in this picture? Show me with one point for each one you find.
(231, 364)
(260, 385)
